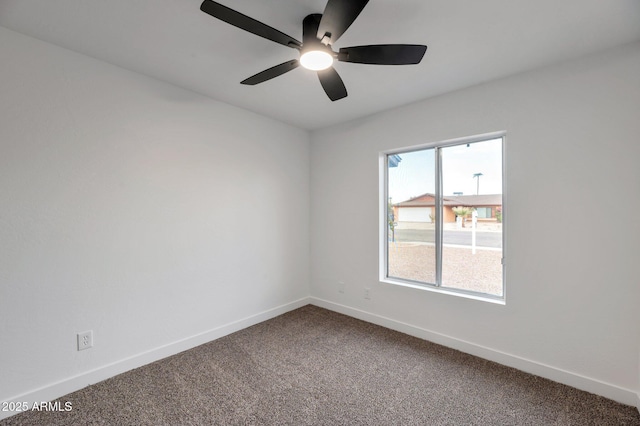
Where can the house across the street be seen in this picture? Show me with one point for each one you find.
(418, 211)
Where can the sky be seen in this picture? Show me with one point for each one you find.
(415, 174)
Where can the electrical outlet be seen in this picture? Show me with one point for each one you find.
(367, 293)
(341, 286)
(85, 340)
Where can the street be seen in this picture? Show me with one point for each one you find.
(483, 239)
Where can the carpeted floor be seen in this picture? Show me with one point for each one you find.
(313, 366)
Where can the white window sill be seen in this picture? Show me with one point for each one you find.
(451, 292)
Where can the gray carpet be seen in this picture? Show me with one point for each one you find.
(316, 367)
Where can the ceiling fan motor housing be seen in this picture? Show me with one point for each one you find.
(310, 39)
(314, 54)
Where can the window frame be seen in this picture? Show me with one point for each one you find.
(384, 228)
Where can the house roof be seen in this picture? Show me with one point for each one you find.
(458, 200)
(478, 200)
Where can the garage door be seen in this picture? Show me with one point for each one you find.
(414, 214)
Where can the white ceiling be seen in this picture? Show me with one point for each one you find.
(469, 42)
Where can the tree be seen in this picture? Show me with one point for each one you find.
(462, 212)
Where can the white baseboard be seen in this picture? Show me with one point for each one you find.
(616, 393)
(58, 389)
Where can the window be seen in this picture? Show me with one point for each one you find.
(444, 211)
(483, 212)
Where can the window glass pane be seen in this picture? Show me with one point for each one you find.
(472, 228)
(411, 216)
(484, 212)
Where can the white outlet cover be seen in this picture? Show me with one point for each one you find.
(85, 340)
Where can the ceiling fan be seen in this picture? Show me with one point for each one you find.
(319, 32)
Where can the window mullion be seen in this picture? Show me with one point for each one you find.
(438, 215)
(385, 208)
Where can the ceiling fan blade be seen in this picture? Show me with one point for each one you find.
(338, 16)
(246, 23)
(332, 84)
(383, 54)
(271, 73)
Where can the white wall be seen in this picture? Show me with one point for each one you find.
(138, 210)
(572, 179)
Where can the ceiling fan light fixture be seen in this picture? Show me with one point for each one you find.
(316, 60)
